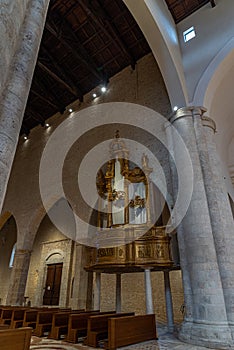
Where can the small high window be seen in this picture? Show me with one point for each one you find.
(189, 34)
(11, 263)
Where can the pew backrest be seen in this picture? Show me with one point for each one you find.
(15, 339)
(123, 331)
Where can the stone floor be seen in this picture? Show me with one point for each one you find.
(166, 342)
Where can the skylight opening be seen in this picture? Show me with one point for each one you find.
(189, 34)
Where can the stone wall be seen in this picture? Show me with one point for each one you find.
(133, 293)
(8, 237)
(143, 86)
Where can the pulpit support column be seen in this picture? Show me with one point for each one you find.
(118, 292)
(169, 304)
(148, 292)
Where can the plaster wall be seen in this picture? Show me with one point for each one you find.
(214, 30)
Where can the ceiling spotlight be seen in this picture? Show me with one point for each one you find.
(103, 89)
(94, 95)
(175, 108)
(70, 110)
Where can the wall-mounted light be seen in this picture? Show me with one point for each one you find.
(175, 108)
(103, 89)
(70, 110)
(94, 95)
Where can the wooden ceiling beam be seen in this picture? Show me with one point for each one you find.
(103, 20)
(63, 73)
(66, 34)
(57, 78)
(43, 98)
(52, 97)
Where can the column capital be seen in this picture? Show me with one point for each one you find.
(23, 252)
(189, 111)
(208, 122)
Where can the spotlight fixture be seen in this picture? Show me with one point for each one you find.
(94, 95)
(70, 110)
(175, 108)
(47, 125)
(25, 137)
(103, 89)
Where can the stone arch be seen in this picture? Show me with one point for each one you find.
(218, 99)
(154, 17)
(36, 220)
(4, 217)
(54, 257)
(215, 71)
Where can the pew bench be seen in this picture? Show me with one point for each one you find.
(15, 339)
(30, 318)
(78, 324)
(43, 322)
(60, 323)
(129, 330)
(98, 327)
(17, 317)
(6, 315)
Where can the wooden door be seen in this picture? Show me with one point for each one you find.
(53, 282)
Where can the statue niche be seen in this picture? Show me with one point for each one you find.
(124, 217)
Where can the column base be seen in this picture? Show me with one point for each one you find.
(216, 336)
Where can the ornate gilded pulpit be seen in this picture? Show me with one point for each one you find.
(127, 238)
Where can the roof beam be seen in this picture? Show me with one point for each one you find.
(43, 98)
(103, 20)
(63, 73)
(56, 77)
(76, 48)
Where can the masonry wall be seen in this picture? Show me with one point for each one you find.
(143, 86)
(8, 237)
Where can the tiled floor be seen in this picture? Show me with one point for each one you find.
(166, 342)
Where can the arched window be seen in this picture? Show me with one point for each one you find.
(11, 263)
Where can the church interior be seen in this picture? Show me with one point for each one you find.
(117, 174)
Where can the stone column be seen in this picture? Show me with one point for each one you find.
(18, 279)
(188, 315)
(118, 292)
(209, 325)
(97, 291)
(219, 209)
(148, 293)
(89, 297)
(16, 89)
(80, 283)
(169, 304)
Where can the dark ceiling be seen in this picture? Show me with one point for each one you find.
(86, 42)
(180, 9)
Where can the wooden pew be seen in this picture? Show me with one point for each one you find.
(98, 327)
(17, 317)
(44, 322)
(6, 315)
(60, 323)
(30, 318)
(15, 339)
(128, 330)
(78, 324)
